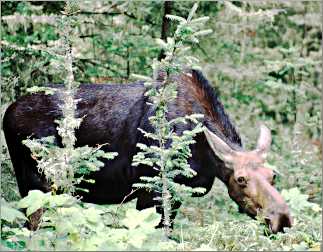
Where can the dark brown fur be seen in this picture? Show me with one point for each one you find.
(112, 114)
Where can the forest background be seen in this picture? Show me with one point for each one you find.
(264, 58)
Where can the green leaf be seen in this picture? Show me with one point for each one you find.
(142, 77)
(33, 201)
(161, 43)
(147, 217)
(61, 200)
(203, 32)
(10, 214)
(192, 11)
(176, 18)
(46, 90)
(200, 20)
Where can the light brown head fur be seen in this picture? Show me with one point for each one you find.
(251, 184)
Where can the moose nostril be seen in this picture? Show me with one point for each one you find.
(285, 221)
(279, 222)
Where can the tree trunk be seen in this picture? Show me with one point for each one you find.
(165, 25)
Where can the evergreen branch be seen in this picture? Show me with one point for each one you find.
(170, 155)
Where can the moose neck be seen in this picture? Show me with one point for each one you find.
(196, 95)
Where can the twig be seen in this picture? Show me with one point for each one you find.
(125, 197)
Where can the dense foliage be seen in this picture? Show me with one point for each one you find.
(264, 59)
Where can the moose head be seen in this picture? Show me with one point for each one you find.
(251, 184)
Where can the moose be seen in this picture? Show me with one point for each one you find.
(113, 113)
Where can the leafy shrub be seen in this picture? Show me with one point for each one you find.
(68, 224)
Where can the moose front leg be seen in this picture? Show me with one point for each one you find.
(145, 200)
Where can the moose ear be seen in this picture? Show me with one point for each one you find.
(264, 141)
(219, 147)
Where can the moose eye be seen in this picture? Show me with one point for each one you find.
(242, 181)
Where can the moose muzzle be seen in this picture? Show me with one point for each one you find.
(276, 211)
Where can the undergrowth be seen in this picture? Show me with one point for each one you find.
(69, 224)
(218, 225)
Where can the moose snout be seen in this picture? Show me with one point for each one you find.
(277, 221)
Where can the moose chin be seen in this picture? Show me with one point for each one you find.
(113, 113)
